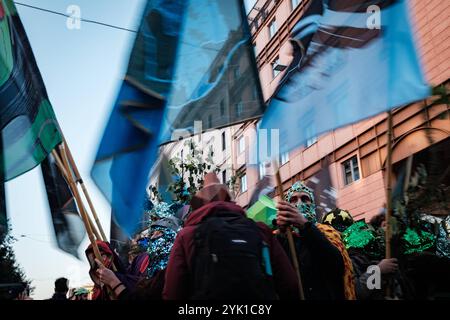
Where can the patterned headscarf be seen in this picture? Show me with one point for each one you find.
(307, 209)
(159, 248)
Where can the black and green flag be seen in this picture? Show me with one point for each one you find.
(29, 130)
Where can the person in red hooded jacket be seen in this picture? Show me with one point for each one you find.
(209, 201)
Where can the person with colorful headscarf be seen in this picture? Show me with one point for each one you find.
(366, 249)
(150, 264)
(162, 237)
(325, 267)
(106, 281)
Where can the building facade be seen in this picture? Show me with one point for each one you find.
(355, 155)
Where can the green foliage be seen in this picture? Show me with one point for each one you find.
(189, 172)
(10, 271)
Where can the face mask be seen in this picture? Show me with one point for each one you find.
(308, 210)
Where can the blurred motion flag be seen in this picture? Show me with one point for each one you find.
(29, 130)
(323, 190)
(3, 217)
(191, 61)
(130, 141)
(67, 224)
(216, 79)
(360, 62)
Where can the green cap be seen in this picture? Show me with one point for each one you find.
(263, 210)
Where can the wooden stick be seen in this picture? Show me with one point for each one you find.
(69, 158)
(388, 233)
(388, 187)
(85, 192)
(289, 234)
(63, 170)
(83, 213)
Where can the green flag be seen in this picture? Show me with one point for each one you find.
(29, 129)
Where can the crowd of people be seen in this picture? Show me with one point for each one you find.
(213, 251)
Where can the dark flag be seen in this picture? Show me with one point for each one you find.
(67, 223)
(3, 217)
(29, 130)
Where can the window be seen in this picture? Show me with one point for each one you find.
(244, 183)
(351, 170)
(275, 70)
(295, 3)
(255, 50)
(224, 176)
(239, 108)
(181, 154)
(262, 170)
(241, 144)
(272, 28)
(222, 107)
(224, 142)
(284, 158)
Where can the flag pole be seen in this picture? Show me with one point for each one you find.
(83, 188)
(388, 233)
(76, 194)
(64, 172)
(289, 233)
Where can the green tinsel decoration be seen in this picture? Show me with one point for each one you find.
(415, 242)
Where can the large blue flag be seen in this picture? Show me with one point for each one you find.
(360, 62)
(192, 62)
(130, 141)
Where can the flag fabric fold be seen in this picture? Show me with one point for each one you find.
(67, 224)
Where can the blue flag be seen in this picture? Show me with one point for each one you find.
(360, 62)
(191, 61)
(216, 79)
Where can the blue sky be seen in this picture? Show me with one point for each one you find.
(82, 71)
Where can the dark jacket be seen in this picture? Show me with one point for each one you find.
(321, 264)
(146, 289)
(399, 283)
(179, 269)
(59, 296)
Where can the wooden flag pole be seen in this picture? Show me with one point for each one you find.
(83, 187)
(388, 187)
(67, 156)
(63, 170)
(289, 234)
(76, 195)
(388, 233)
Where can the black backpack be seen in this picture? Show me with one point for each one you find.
(231, 260)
